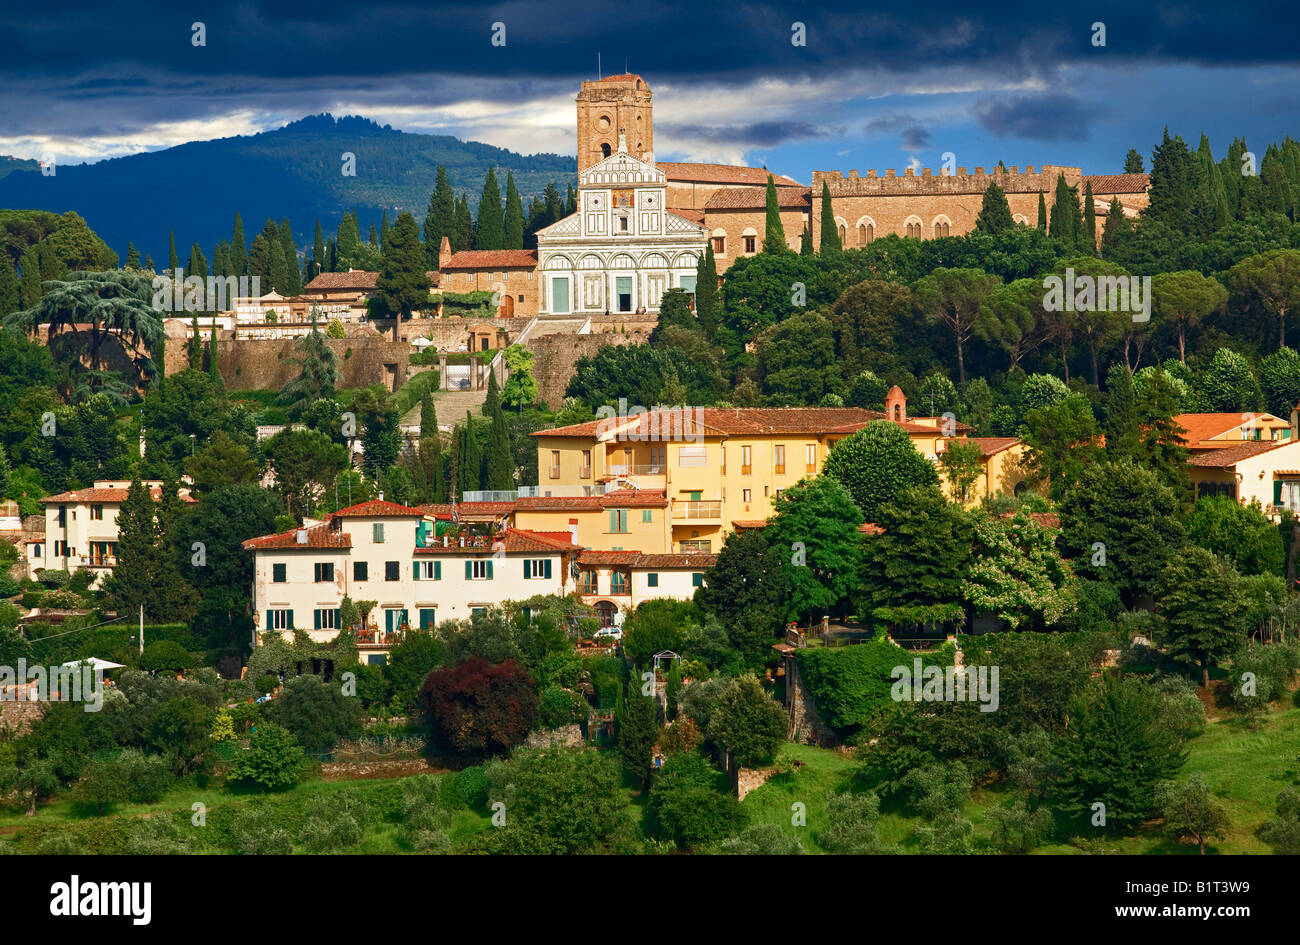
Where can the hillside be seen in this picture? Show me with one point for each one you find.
(294, 172)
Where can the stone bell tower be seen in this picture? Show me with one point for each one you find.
(609, 107)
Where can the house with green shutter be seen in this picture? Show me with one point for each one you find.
(419, 571)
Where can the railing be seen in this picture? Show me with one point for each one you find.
(694, 547)
(591, 588)
(554, 471)
(490, 495)
(584, 472)
(366, 638)
(643, 469)
(710, 509)
(560, 491)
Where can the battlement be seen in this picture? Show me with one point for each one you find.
(1010, 179)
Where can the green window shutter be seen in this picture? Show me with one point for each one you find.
(405, 619)
(647, 516)
(548, 569)
(652, 579)
(291, 623)
(528, 569)
(469, 570)
(269, 624)
(388, 621)
(697, 579)
(315, 614)
(1277, 492)
(489, 570)
(337, 622)
(415, 570)
(613, 520)
(437, 570)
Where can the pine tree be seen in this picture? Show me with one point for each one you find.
(774, 236)
(238, 249)
(1175, 186)
(198, 264)
(830, 234)
(490, 233)
(1042, 212)
(440, 219)
(1133, 162)
(706, 292)
(1088, 240)
(132, 256)
(995, 212)
(500, 462)
(173, 262)
(383, 229)
(148, 263)
(514, 219)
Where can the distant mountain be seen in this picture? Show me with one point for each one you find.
(294, 172)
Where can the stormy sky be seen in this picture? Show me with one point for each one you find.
(893, 86)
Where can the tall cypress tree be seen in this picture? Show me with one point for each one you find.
(1175, 186)
(373, 241)
(490, 233)
(1121, 413)
(1042, 212)
(774, 236)
(463, 235)
(194, 348)
(514, 219)
(221, 260)
(238, 249)
(805, 243)
(132, 582)
(500, 462)
(570, 200)
(293, 274)
(1088, 241)
(440, 218)
(471, 459)
(331, 255)
(317, 253)
(213, 369)
(1213, 200)
(1115, 224)
(198, 264)
(706, 291)
(830, 234)
(132, 256)
(428, 416)
(279, 267)
(173, 262)
(383, 229)
(1066, 217)
(403, 285)
(9, 294)
(348, 242)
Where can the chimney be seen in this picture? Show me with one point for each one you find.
(301, 537)
(444, 253)
(573, 531)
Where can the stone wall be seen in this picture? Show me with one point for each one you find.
(734, 223)
(555, 357)
(805, 724)
(270, 364)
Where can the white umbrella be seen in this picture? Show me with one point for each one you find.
(95, 663)
(421, 343)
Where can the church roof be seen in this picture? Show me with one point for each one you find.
(1118, 183)
(621, 169)
(493, 259)
(755, 198)
(722, 174)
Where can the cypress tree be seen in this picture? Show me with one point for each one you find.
(198, 264)
(995, 212)
(293, 274)
(213, 371)
(1066, 219)
(317, 253)
(1212, 199)
(1175, 186)
(490, 232)
(1115, 223)
(1121, 414)
(132, 256)
(1042, 212)
(148, 263)
(774, 237)
(636, 731)
(805, 243)
(373, 241)
(440, 218)
(348, 242)
(1089, 221)
(238, 249)
(403, 285)
(383, 228)
(706, 291)
(220, 260)
(279, 268)
(9, 291)
(471, 459)
(500, 463)
(570, 200)
(173, 263)
(830, 234)
(463, 235)
(1133, 162)
(331, 255)
(428, 416)
(137, 540)
(514, 219)
(194, 348)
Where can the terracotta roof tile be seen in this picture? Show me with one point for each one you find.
(442, 510)
(721, 174)
(493, 259)
(318, 536)
(623, 498)
(106, 495)
(1207, 426)
(989, 445)
(755, 198)
(378, 509)
(695, 216)
(635, 559)
(870, 528)
(1118, 183)
(361, 280)
(510, 541)
(1225, 458)
(720, 421)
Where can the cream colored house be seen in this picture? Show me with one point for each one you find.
(1267, 471)
(617, 582)
(81, 527)
(394, 556)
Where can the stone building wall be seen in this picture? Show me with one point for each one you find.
(269, 364)
(556, 355)
(734, 223)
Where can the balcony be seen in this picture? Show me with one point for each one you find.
(709, 510)
(554, 472)
(634, 469)
(584, 472)
(375, 639)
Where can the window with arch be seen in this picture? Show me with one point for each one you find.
(605, 150)
(1021, 219)
(942, 227)
(866, 233)
(843, 231)
(913, 229)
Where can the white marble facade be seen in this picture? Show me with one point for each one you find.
(622, 250)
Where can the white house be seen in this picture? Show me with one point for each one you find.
(622, 249)
(393, 555)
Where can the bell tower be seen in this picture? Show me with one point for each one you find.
(609, 107)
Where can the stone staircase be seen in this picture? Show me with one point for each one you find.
(558, 325)
(451, 406)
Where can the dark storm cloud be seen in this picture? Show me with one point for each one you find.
(1047, 117)
(762, 134)
(912, 136)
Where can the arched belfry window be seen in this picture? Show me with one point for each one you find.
(604, 149)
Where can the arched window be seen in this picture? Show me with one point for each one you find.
(898, 413)
(843, 233)
(914, 230)
(604, 149)
(605, 612)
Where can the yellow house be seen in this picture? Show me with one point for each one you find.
(678, 480)
(1003, 469)
(1216, 431)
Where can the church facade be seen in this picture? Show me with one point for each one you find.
(623, 249)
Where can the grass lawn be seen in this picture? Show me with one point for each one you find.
(1245, 771)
